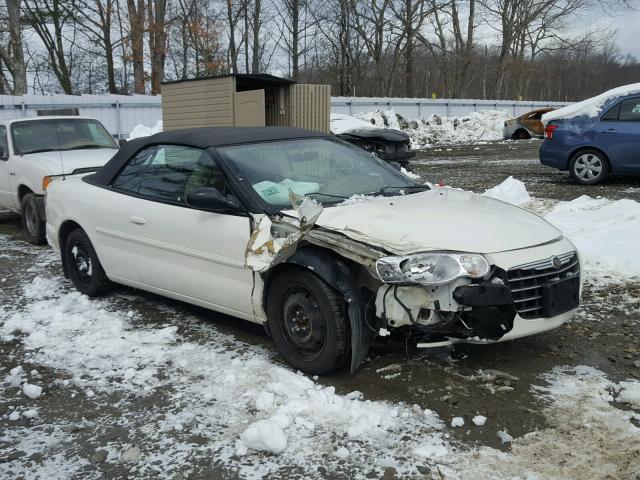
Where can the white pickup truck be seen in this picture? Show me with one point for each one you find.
(33, 151)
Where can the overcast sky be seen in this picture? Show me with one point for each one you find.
(627, 26)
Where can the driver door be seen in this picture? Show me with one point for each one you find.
(195, 255)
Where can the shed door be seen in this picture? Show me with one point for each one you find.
(249, 108)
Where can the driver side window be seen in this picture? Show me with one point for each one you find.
(169, 173)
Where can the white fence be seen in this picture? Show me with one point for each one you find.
(414, 108)
(120, 113)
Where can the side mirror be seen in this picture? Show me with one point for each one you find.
(3, 155)
(122, 142)
(396, 166)
(212, 200)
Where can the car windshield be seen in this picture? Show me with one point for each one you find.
(325, 169)
(33, 136)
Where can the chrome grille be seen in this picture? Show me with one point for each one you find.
(526, 281)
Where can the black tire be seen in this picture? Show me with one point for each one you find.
(308, 322)
(33, 225)
(589, 167)
(521, 135)
(82, 265)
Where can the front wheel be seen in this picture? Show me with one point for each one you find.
(33, 224)
(589, 167)
(82, 264)
(308, 322)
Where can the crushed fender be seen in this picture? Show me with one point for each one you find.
(275, 239)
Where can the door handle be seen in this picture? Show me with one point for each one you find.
(137, 220)
(610, 130)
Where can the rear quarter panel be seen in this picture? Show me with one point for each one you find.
(67, 199)
(571, 135)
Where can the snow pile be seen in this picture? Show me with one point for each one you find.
(144, 131)
(32, 391)
(264, 435)
(591, 107)
(220, 388)
(483, 126)
(606, 233)
(510, 191)
(479, 420)
(341, 123)
(409, 174)
(630, 394)
(457, 422)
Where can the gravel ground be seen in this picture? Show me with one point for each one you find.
(604, 335)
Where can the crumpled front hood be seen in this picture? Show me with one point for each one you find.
(439, 219)
(67, 161)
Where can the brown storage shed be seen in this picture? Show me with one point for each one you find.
(245, 100)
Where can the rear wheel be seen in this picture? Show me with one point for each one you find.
(589, 167)
(308, 322)
(82, 264)
(521, 135)
(33, 224)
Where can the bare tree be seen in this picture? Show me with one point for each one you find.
(157, 38)
(49, 19)
(12, 55)
(410, 16)
(136, 11)
(236, 9)
(96, 19)
(372, 23)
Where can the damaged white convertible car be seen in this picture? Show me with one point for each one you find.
(324, 244)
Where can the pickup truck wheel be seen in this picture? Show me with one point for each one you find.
(589, 167)
(33, 224)
(83, 266)
(308, 322)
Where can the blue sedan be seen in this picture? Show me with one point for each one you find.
(593, 147)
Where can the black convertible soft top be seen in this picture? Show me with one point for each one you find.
(205, 137)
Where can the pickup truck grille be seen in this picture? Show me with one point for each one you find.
(527, 281)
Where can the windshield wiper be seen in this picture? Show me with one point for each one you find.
(85, 147)
(328, 195)
(383, 190)
(39, 150)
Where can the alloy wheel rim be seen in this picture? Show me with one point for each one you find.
(588, 167)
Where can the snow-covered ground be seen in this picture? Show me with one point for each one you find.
(262, 419)
(223, 389)
(606, 232)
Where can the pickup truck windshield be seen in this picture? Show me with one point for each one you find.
(325, 169)
(33, 136)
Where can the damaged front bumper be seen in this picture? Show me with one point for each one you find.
(528, 291)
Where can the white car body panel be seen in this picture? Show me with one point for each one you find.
(440, 219)
(197, 256)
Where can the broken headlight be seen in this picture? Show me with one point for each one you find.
(431, 268)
